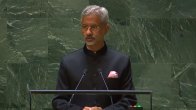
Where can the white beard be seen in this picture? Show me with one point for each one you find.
(90, 43)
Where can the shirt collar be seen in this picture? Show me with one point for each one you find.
(101, 51)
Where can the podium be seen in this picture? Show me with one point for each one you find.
(94, 92)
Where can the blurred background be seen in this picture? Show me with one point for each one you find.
(158, 35)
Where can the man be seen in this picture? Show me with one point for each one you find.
(94, 67)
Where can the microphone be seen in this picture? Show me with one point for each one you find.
(82, 77)
(101, 74)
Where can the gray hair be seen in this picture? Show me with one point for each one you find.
(96, 10)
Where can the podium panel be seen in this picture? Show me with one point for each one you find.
(94, 92)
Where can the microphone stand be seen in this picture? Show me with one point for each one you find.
(84, 73)
(105, 85)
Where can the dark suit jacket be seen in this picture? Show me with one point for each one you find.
(105, 60)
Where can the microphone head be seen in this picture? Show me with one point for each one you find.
(85, 71)
(99, 70)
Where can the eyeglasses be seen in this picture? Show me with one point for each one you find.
(92, 27)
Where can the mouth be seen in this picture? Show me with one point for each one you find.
(89, 39)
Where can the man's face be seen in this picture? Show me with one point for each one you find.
(93, 30)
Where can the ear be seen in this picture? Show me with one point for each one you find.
(107, 27)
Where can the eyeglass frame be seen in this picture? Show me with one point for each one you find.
(93, 27)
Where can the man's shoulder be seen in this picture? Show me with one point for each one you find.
(118, 57)
(117, 53)
(73, 54)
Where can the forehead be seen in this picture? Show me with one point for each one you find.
(91, 19)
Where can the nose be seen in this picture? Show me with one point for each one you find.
(88, 31)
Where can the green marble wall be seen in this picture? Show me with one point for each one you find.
(159, 35)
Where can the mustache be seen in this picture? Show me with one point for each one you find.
(89, 37)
